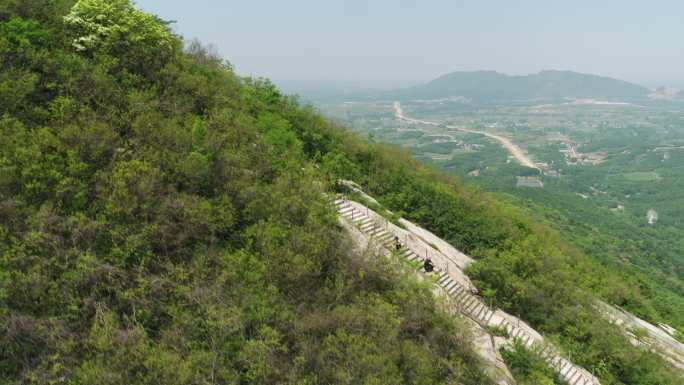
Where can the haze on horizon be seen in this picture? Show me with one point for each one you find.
(390, 43)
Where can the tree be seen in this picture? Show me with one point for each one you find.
(116, 27)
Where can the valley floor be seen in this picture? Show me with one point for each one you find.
(511, 147)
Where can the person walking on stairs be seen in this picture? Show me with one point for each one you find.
(428, 266)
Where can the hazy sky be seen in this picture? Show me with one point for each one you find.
(412, 41)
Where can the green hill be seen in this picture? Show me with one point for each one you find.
(546, 85)
(164, 221)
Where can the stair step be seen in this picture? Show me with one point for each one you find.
(372, 227)
(388, 238)
(544, 352)
(566, 374)
(453, 289)
(491, 315)
(476, 309)
(526, 339)
(513, 332)
(571, 373)
(472, 305)
(362, 221)
(367, 227)
(521, 335)
(461, 295)
(348, 211)
(482, 310)
(530, 342)
(575, 377)
(461, 302)
(564, 367)
(517, 333)
(378, 232)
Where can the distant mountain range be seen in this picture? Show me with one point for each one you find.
(545, 85)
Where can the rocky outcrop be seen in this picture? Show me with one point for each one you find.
(658, 339)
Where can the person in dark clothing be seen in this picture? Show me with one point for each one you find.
(397, 244)
(428, 266)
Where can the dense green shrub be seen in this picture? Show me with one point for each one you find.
(162, 221)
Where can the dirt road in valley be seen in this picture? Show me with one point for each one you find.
(516, 151)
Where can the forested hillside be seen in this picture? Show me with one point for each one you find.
(163, 220)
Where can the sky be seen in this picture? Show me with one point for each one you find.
(401, 42)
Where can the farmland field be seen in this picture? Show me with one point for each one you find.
(610, 176)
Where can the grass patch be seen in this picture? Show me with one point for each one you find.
(639, 333)
(528, 367)
(498, 331)
(646, 176)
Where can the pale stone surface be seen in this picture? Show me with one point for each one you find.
(656, 339)
(418, 239)
(483, 344)
(459, 259)
(456, 286)
(488, 349)
(357, 189)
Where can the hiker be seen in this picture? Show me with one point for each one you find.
(397, 243)
(428, 266)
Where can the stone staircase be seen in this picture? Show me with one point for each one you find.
(468, 303)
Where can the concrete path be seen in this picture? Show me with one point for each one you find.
(457, 286)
